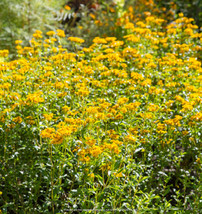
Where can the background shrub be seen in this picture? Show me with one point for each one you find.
(20, 18)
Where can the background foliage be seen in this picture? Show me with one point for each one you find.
(20, 18)
(190, 8)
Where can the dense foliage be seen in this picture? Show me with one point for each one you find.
(191, 8)
(114, 127)
(85, 18)
(20, 18)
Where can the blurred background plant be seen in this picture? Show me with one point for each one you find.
(89, 19)
(20, 18)
(100, 18)
(82, 18)
(190, 8)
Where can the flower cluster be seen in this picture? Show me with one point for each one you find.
(115, 99)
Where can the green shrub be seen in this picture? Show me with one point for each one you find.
(20, 18)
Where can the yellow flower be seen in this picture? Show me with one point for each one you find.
(161, 128)
(48, 116)
(118, 175)
(197, 117)
(17, 42)
(76, 39)
(67, 7)
(92, 16)
(91, 175)
(57, 139)
(185, 133)
(37, 35)
(129, 25)
(132, 38)
(48, 133)
(30, 120)
(92, 110)
(187, 107)
(90, 141)
(95, 151)
(136, 76)
(99, 40)
(198, 160)
(130, 138)
(53, 40)
(116, 44)
(181, 14)
(50, 33)
(122, 100)
(54, 50)
(112, 10)
(66, 108)
(34, 98)
(4, 53)
(153, 107)
(60, 33)
(17, 119)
